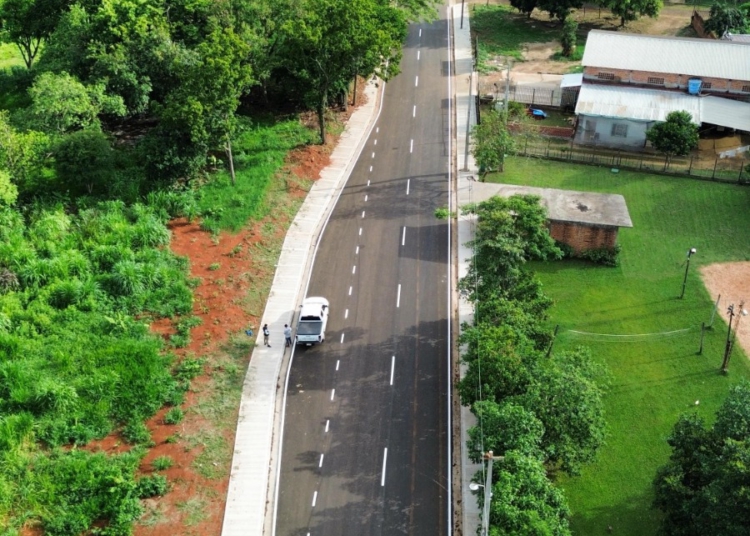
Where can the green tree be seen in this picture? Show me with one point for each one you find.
(22, 154)
(28, 23)
(568, 37)
(524, 6)
(630, 10)
(84, 161)
(559, 9)
(60, 103)
(677, 136)
(524, 501)
(725, 18)
(492, 142)
(8, 190)
(703, 487)
(502, 428)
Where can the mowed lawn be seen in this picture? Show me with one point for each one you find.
(654, 378)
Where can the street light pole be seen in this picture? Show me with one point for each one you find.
(690, 252)
(488, 492)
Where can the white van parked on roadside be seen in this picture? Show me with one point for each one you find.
(313, 318)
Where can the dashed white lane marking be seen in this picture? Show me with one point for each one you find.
(393, 367)
(414, 111)
(377, 129)
(363, 213)
(350, 291)
(373, 154)
(360, 231)
(408, 184)
(420, 32)
(411, 146)
(315, 498)
(320, 463)
(333, 392)
(356, 251)
(354, 269)
(376, 142)
(382, 478)
(403, 236)
(337, 364)
(328, 422)
(398, 296)
(346, 314)
(368, 182)
(366, 198)
(342, 338)
(370, 171)
(416, 82)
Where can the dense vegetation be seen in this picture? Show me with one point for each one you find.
(543, 412)
(125, 114)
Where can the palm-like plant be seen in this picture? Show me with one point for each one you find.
(127, 278)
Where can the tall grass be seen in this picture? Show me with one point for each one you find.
(655, 377)
(259, 152)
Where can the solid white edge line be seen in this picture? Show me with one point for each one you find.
(449, 523)
(398, 296)
(385, 458)
(307, 286)
(320, 463)
(393, 366)
(315, 498)
(403, 236)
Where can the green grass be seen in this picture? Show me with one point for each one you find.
(654, 378)
(259, 152)
(10, 56)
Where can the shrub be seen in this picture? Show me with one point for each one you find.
(604, 256)
(179, 341)
(214, 266)
(151, 486)
(174, 416)
(136, 433)
(162, 463)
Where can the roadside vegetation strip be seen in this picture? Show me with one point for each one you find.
(655, 380)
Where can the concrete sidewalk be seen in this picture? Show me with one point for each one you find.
(466, 178)
(252, 483)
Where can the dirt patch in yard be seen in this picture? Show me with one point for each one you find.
(731, 280)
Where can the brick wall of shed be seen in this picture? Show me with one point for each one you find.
(719, 86)
(583, 237)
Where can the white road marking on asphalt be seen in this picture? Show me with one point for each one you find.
(416, 82)
(414, 111)
(370, 171)
(373, 154)
(377, 129)
(315, 498)
(420, 32)
(354, 269)
(408, 184)
(411, 145)
(337, 364)
(320, 463)
(376, 142)
(356, 251)
(368, 182)
(365, 198)
(418, 51)
(393, 366)
(382, 478)
(403, 236)
(346, 314)
(342, 338)
(333, 392)
(350, 291)
(328, 422)
(398, 296)
(360, 231)
(363, 213)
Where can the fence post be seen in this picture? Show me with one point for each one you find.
(640, 166)
(547, 150)
(739, 177)
(533, 94)
(703, 332)
(713, 175)
(525, 145)
(690, 168)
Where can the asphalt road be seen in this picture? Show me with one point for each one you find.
(365, 447)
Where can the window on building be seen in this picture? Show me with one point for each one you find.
(655, 81)
(605, 76)
(746, 89)
(619, 130)
(706, 85)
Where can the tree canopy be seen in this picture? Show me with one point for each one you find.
(676, 136)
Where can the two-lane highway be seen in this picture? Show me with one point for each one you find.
(366, 437)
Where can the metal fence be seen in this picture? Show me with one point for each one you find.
(735, 170)
(535, 95)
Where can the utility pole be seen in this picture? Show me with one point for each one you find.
(488, 492)
(690, 252)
